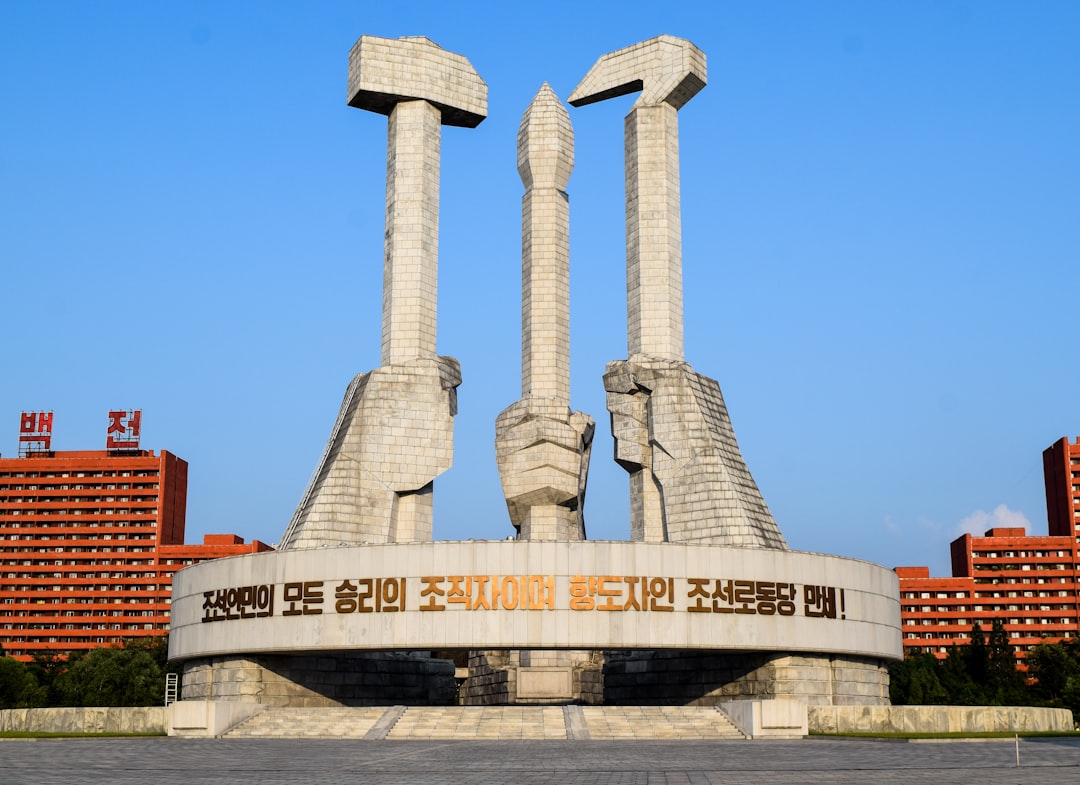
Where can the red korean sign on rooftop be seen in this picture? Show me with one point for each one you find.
(124, 428)
(35, 432)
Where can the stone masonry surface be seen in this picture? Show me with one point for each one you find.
(392, 438)
(170, 761)
(688, 480)
(90, 719)
(674, 435)
(383, 72)
(541, 446)
(669, 72)
(327, 680)
(394, 434)
(688, 678)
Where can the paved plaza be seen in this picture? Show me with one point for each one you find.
(164, 761)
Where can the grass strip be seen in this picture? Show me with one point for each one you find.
(958, 735)
(15, 734)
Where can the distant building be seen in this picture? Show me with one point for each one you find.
(89, 542)
(1029, 582)
(1061, 473)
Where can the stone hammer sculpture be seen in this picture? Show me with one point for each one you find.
(673, 435)
(394, 433)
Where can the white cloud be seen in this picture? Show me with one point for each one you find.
(979, 521)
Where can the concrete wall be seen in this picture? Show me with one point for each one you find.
(768, 719)
(937, 719)
(535, 595)
(207, 719)
(139, 719)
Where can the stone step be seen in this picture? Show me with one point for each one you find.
(335, 722)
(490, 722)
(658, 722)
(481, 722)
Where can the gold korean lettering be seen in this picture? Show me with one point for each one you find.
(460, 591)
(661, 589)
(582, 590)
(432, 590)
(307, 594)
(541, 592)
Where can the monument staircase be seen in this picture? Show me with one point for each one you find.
(398, 723)
(311, 723)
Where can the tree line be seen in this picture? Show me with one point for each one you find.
(984, 673)
(132, 674)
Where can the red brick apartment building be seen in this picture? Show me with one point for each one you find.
(89, 542)
(1031, 583)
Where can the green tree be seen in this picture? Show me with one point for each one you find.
(1070, 697)
(18, 687)
(158, 647)
(1052, 665)
(977, 656)
(113, 676)
(915, 681)
(956, 679)
(1006, 686)
(46, 667)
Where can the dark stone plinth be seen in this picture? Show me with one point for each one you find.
(708, 678)
(328, 679)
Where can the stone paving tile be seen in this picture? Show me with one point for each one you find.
(164, 761)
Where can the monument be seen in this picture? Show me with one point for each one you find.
(542, 447)
(704, 604)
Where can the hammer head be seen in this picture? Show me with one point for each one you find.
(665, 69)
(384, 72)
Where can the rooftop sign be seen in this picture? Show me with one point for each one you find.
(35, 433)
(124, 428)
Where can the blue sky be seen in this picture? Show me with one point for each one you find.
(880, 246)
